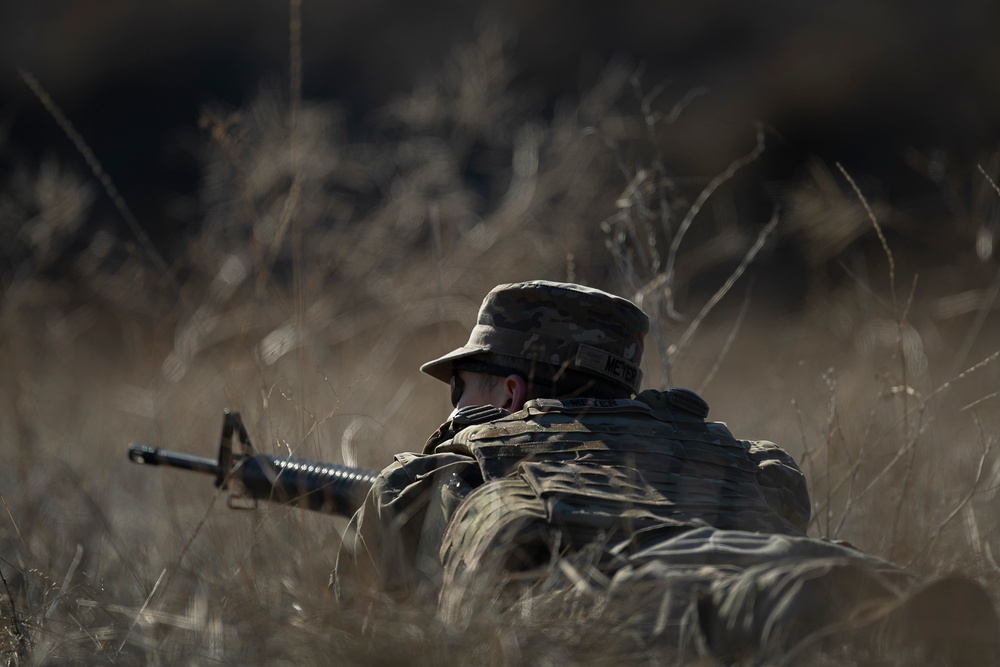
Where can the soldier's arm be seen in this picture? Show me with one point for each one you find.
(391, 542)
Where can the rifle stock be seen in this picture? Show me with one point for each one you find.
(315, 485)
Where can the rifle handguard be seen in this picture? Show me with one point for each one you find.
(313, 485)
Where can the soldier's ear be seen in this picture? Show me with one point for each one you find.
(516, 391)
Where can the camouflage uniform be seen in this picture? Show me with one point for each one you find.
(702, 533)
(623, 472)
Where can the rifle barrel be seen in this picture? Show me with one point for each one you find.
(139, 453)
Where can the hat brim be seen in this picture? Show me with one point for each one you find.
(442, 368)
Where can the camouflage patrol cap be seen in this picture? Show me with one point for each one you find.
(562, 324)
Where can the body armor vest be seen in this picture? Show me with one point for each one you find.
(618, 472)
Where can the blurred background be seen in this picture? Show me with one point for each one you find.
(904, 95)
(285, 208)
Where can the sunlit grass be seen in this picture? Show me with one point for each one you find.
(310, 307)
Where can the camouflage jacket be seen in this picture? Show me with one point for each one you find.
(558, 476)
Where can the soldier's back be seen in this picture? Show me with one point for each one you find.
(565, 475)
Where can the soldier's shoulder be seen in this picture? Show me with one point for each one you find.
(677, 400)
(461, 420)
(763, 450)
(477, 414)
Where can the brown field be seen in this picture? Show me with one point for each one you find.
(326, 270)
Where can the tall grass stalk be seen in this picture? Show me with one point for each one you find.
(328, 266)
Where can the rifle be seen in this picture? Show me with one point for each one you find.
(252, 476)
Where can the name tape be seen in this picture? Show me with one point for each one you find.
(609, 365)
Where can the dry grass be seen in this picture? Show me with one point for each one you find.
(327, 268)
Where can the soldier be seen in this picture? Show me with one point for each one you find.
(554, 456)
